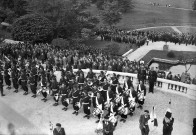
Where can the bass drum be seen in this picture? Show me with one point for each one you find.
(97, 111)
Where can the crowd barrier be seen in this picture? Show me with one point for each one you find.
(179, 88)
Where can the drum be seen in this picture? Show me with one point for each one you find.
(132, 104)
(113, 119)
(97, 111)
(117, 99)
(140, 96)
(121, 110)
(106, 105)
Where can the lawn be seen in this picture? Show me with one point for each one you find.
(103, 44)
(160, 29)
(187, 4)
(163, 55)
(187, 29)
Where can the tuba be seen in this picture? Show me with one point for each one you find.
(100, 88)
(90, 83)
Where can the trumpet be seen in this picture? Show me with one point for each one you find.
(100, 88)
(90, 83)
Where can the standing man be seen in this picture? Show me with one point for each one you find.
(108, 127)
(152, 78)
(24, 81)
(59, 130)
(141, 75)
(168, 122)
(1, 84)
(144, 123)
(86, 101)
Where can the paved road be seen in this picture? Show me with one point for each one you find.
(25, 110)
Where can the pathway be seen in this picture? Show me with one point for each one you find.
(143, 50)
(176, 30)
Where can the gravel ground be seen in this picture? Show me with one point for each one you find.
(25, 112)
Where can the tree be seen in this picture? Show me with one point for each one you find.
(32, 27)
(125, 5)
(111, 14)
(194, 5)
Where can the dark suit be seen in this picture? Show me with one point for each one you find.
(144, 124)
(108, 127)
(61, 132)
(152, 77)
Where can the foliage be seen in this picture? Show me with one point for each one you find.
(33, 28)
(171, 54)
(194, 5)
(60, 42)
(125, 5)
(111, 15)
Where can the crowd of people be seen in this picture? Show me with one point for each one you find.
(141, 37)
(48, 71)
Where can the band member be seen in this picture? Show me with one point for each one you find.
(59, 130)
(127, 84)
(105, 89)
(124, 104)
(1, 84)
(90, 74)
(101, 77)
(152, 78)
(15, 77)
(24, 81)
(86, 101)
(33, 84)
(7, 77)
(113, 113)
(141, 93)
(118, 89)
(76, 99)
(143, 121)
(108, 127)
(168, 122)
(81, 79)
(98, 102)
(55, 91)
(44, 85)
(65, 99)
(141, 75)
(132, 101)
(114, 83)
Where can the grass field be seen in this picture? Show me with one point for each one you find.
(187, 29)
(103, 44)
(163, 55)
(160, 29)
(187, 4)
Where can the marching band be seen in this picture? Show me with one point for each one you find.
(97, 95)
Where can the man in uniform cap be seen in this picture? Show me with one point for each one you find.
(168, 123)
(144, 123)
(108, 127)
(24, 82)
(1, 84)
(59, 130)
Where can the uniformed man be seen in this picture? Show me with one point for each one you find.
(1, 83)
(7, 78)
(33, 84)
(24, 82)
(15, 77)
(86, 101)
(55, 91)
(76, 99)
(64, 93)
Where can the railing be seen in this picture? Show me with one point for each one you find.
(173, 62)
(187, 90)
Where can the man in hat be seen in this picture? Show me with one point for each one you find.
(76, 99)
(15, 77)
(144, 123)
(168, 123)
(1, 84)
(64, 92)
(33, 84)
(59, 130)
(152, 78)
(86, 101)
(108, 127)
(24, 82)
